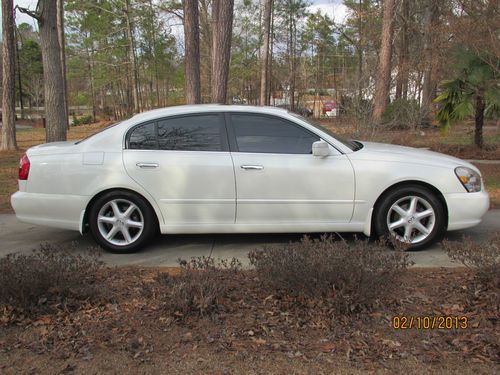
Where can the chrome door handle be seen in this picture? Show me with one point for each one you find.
(148, 165)
(252, 167)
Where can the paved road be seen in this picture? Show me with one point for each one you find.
(166, 250)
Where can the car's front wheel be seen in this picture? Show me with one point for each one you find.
(121, 222)
(411, 214)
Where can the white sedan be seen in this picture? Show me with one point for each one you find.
(242, 169)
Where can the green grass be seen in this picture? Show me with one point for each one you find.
(455, 138)
(492, 182)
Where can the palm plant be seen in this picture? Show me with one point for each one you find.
(475, 90)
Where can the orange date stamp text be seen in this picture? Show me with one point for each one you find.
(430, 322)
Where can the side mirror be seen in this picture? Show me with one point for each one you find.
(321, 149)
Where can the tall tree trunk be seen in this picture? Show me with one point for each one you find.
(192, 51)
(402, 77)
(418, 87)
(222, 13)
(206, 45)
(62, 54)
(9, 76)
(55, 114)
(167, 91)
(429, 85)
(131, 58)
(90, 67)
(270, 62)
(113, 100)
(18, 68)
(291, 57)
(479, 118)
(360, 53)
(155, 60)
(264, 96)
(383, 81)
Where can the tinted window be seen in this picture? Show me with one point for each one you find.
(195, 133)
(271, 135)
(143, 137)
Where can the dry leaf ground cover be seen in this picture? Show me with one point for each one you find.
(256, 333)
(131, 327)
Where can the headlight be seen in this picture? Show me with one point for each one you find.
(469, 178)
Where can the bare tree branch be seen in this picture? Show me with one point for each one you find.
(30, 13)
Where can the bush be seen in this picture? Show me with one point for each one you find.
(30, 282)
(482, 258)
(484, 261)
(353, 276)
(199, 288)
(402, 114)
(84, 120)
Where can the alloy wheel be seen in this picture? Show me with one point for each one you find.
(411, 219)
(120, 222)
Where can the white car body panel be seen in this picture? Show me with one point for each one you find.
(396, 164)
(209, 192)
(191, 187)
(293, 189)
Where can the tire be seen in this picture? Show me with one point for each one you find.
(122, 222)
(411, 214)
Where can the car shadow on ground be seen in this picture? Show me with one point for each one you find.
(167, 250)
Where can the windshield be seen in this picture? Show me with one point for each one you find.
(97, 132)
(353, 145)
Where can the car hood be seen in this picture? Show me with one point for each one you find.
(388, 152)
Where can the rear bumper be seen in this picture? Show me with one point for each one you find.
(466, 210)
(52, 210)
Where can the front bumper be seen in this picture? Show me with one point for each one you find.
(466, 210)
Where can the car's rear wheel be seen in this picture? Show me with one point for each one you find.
(121, 221)
(413, 215)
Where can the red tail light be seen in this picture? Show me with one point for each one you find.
(24, 167)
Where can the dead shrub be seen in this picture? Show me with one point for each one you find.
(48, 275)
(483, 258)
(199, 287)
(353, 276)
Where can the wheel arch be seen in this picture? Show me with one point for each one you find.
(84, 224)
(401, 184)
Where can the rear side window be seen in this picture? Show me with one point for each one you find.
(143, 137)
(187, 133)
(194, 133)
(266, 134)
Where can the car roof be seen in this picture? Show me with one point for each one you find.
(103, 139)
(203, 108)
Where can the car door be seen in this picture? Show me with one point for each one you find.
(279, 181)
(185, 164)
